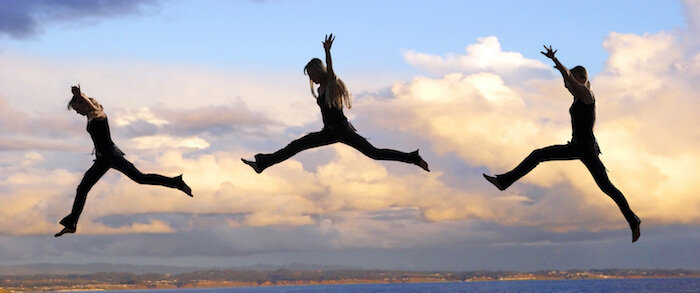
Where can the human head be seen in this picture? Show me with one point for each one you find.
(581, 75)
(337, 94)
(79, 104)
(316, 70)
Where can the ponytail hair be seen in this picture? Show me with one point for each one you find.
(337, 94)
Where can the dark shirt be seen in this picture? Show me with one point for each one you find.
(101, 138)
(582, 120)
(333, 119)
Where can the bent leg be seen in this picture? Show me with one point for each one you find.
(311, 140)
(600, 175)
(361, 144)
(550, 153)
(92, 175)
(126, 167)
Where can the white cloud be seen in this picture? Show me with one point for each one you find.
(484, 56)
(162, 142)
(145, 90)
(139, 114)
(647, 128)
(488, 110)
(479, 117)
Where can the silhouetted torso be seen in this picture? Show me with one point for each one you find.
(582, 120)
(333, 119)
(99, 132)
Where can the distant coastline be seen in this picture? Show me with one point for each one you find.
(222, 278)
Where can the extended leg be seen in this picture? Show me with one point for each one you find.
(550, 153)
(600, 175)
(361, 144)
(311, 140)
(130, 171)
(91, 177)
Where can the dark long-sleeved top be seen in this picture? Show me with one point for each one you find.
(102, 139)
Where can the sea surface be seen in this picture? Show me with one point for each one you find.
(568, 286)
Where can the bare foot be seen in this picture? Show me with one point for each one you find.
(421, 163)
(64, 231)
(635, 229)
(494, 181)
(253, 165)
(184, 188)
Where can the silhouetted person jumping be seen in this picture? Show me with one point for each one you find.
(332, 96)
(583, 145)
(108, 156)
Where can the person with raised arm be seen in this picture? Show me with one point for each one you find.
(332, 96)
(583, 145)
(107, 156)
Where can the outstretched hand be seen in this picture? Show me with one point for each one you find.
(75, 90)
(328, 42)
(549, 53)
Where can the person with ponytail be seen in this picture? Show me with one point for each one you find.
(332, 97)
(107, 156)
(583, 145)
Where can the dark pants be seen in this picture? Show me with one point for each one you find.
(326, 137)
(588, 154)
(101, 165)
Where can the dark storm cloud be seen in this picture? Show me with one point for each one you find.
(22, 19)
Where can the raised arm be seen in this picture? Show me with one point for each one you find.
(577, 89)
(94, 111)
(77, 93)
(327, 43)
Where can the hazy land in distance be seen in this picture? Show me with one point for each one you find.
(57, 277)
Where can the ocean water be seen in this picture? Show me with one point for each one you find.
(690, 285)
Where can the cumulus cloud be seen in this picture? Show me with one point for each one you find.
(484, 56)
(479, 117)
(217, 120)
(480, 114)
(647, 127)
(187, 97)
(22, 19)
(140, 114)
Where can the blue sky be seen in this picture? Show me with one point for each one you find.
(192, 86)
(274, 35)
